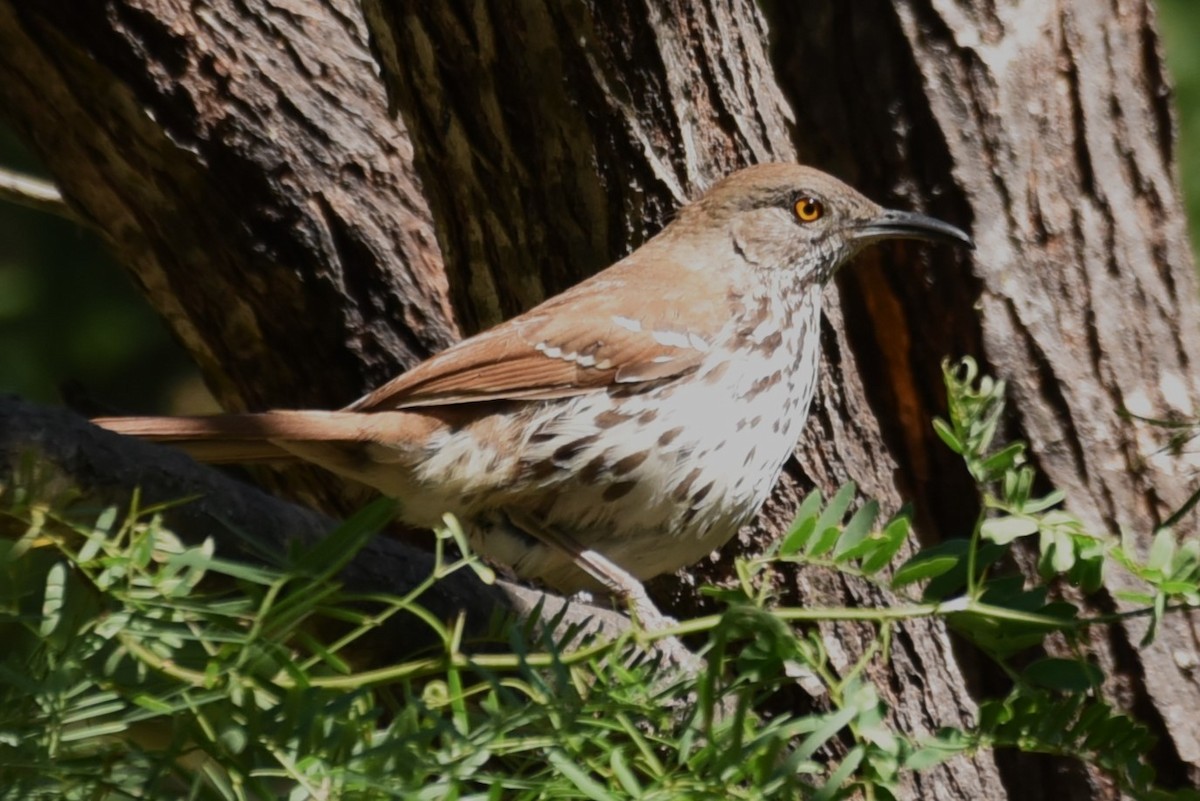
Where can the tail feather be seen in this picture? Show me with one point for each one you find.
(263, 425)
(228, 438)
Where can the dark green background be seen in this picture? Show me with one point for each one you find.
(68, 314)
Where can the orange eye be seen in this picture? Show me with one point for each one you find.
(809, 209)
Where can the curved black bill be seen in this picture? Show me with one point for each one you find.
(909, 225)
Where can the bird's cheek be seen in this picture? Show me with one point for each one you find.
(760, 241)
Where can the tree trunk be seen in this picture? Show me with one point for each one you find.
(240, 159)
(243, 166)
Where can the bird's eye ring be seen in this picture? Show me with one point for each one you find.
(808, 209)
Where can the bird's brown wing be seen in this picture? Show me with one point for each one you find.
(592, 336)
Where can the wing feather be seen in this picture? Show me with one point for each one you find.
(589, 337)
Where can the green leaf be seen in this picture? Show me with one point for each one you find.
(1088, 574)
(992, 715)
(1158, 610)
(1068, 675)
(947, 743)
(1089, 717)
(105, 521)
(201, 559)
(143, 550)
(1042, 504)
(1063, 558)
(104, 729)
(622, 773)
(946, 434)
(1004, 459)
(578, 777)
(1162, 550)
(1177, 587)
(1136, 598)
(96, 705)
(892, 540)
(332, 553)
(836, 510)
(952, 581)
(827, 526)
(803, 525)
(153, 704)
(1003, 530)
(856, 531)
(834, 783)
(921, 567)
(798, 537)
(99, 535)
(830, 725)
(1023, 484)
(53, 599)
(1186, 564)
(824, 543)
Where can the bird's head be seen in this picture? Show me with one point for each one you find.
(786, 217)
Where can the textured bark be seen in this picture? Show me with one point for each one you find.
(556, 136)
(242, 164)
(1051, 125)
(240, 159)
(674, 98)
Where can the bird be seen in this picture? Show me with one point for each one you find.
(624, 428)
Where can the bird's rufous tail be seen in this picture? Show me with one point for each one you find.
(229, 438)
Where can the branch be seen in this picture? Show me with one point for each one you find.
(246, 523)
(34, 193)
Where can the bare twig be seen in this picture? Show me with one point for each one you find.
(34, 193)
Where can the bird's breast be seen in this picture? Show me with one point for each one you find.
(653, 475)
(689, 459)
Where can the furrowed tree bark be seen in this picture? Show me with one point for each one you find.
(240, 158)
(696, 78)
(1055, 123)
(242, 164)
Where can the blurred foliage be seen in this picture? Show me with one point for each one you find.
(1179, 24)
(68, 314)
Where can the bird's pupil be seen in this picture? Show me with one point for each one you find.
(807, 208)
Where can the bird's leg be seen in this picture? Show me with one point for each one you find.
(617, 581)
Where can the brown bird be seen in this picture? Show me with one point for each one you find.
(639, 418)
